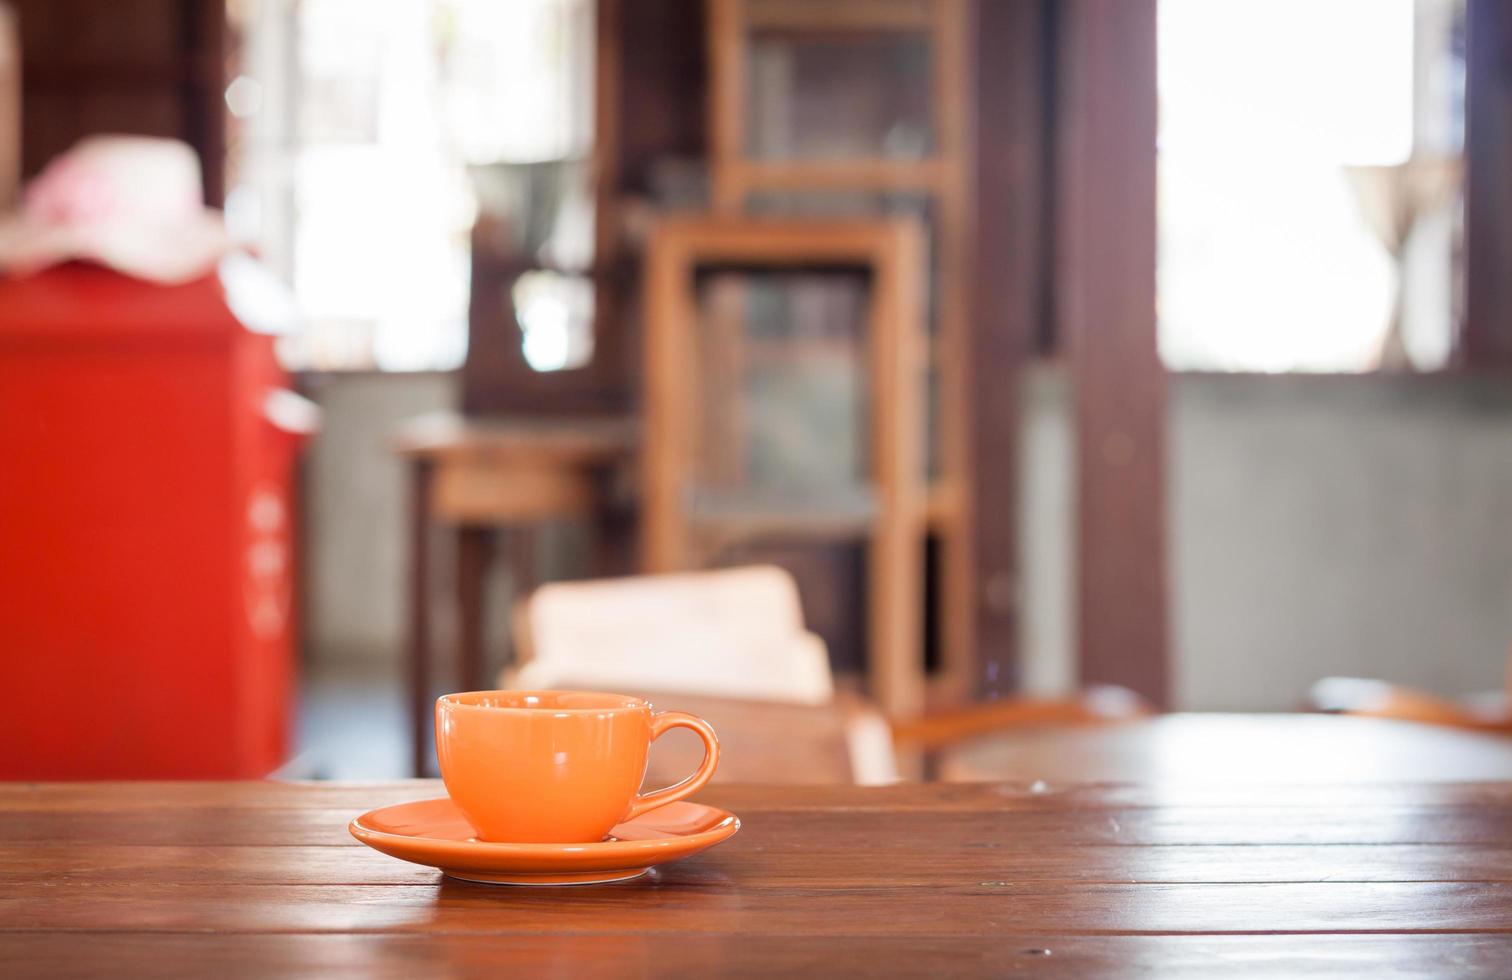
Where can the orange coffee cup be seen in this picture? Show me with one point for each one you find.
(556, 767)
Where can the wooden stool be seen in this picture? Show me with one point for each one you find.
(482, 475)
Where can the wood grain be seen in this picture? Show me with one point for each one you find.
(276, 865)
(241, 879)
(155, 799)
(309, 955)
(1025, 827)
(667, 902)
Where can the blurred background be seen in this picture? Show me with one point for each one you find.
(1049, 346)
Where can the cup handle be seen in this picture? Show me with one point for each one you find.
(661, 723)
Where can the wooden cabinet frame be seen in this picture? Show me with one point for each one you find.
(945, 177)
(891, 249)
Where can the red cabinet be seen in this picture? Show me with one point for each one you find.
(145, 533)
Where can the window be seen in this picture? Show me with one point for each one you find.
(1310, 209)
(356, 122)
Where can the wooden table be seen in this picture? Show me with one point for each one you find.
(482, 476)
(227, 880)
(794, 743)
(1228, 748)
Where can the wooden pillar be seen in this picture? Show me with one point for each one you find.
(10, 109)
(1487, 336)
(1007, 305)
(1105, 117)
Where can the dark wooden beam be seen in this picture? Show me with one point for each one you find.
(10, 109)
(152, 67)
(1487, 334)
(1105, 305)
(1010, 62)
(202, 43)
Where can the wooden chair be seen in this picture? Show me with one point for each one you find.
(730, 645)
(688, 521)
(1379, 699)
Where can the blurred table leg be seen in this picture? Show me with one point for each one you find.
(419, 615)
(520, 543)
(475, 543)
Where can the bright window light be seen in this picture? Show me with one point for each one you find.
(1268, 110)
(555, 312)
(357, 188)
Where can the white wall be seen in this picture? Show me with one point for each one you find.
(356, 551)
(356, 500)
(1318, 526)
(1340, 526)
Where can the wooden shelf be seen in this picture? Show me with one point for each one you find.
(845, 515)
(827, 351)
(678, 528)
(943, 177)
(943, 506)
(806, 174)
(446, 434)
(838, 517)
(871, 16)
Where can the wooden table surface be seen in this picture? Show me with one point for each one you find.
(224, 880)
(1242, 748)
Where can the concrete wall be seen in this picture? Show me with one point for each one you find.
(356, 501)
(1340, 526)
(1318, 526)
(1358, 526)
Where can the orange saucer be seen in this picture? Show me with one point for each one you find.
(434, 833)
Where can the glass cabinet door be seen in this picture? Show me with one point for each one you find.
(838, 95)
(780, 387)
(917, 205)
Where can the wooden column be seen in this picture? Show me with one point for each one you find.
(10, 109)
(1487, 337)
(1007, 304)
(1105, 307)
